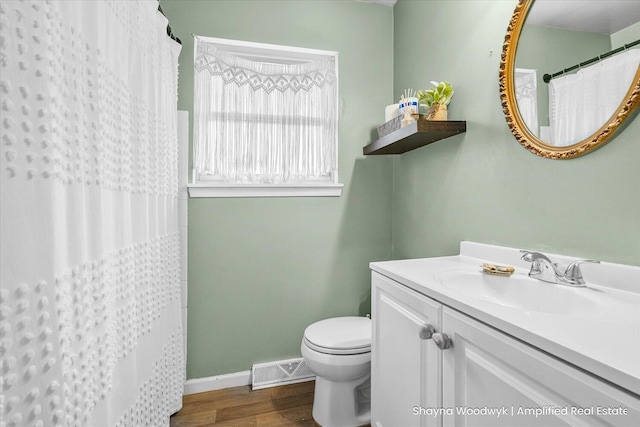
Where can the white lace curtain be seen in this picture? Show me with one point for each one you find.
(90, 323)
(580, 103)
(263, 122)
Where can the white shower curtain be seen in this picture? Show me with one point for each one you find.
(580, 103)
(90, 329)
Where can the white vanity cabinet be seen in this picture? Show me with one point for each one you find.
(405, 365)
(485, 378)
(485, 368)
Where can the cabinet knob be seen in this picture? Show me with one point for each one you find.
(442, 341)
(426, 331)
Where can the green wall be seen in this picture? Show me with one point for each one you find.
(261, 270)
(483, 186)
(626, 35)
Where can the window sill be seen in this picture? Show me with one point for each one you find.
(265, 190)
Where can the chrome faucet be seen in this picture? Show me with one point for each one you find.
(542, 268)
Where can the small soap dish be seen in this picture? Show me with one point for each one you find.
(497, 270)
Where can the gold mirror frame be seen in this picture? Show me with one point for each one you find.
(510, 105)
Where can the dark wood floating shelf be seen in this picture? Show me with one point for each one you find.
(415, 135)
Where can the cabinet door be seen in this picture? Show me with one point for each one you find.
(516, 384)
(405, 368)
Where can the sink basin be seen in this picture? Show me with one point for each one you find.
(521, 292)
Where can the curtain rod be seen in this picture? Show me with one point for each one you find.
(547, 77)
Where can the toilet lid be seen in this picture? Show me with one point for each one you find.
(340, 335)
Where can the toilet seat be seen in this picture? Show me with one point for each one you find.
(340, 336)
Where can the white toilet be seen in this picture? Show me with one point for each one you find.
(338, 351)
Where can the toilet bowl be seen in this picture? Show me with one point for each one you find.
(338, 352)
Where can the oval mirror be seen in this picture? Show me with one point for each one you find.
(570, 75)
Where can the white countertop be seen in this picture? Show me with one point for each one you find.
(604, 341)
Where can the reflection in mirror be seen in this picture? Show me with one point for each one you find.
(589, 53)
(526, 84)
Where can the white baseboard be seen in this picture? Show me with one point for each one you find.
(218, 382)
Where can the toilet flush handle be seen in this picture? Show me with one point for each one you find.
(426, 331)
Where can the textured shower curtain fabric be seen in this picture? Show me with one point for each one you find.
(580, 103)
(90, 316)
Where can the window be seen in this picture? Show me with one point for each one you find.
(265, 120)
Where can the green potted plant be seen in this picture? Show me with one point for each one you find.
(436, 100)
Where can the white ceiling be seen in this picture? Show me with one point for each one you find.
(603, 17)
(595, 16)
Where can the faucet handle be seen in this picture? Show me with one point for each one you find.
(542, 268)
(573, 273)
(532, 256)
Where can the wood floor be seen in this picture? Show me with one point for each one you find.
(288, 405)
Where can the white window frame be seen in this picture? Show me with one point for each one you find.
(208, 186)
